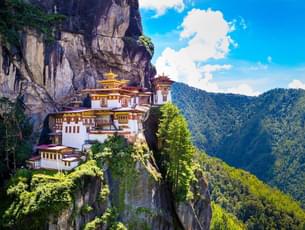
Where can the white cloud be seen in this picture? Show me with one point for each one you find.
(161, 6)
(296, 84)
(243, 89)
(208, 38)
(258, 66)
(208, 34)
(243, 23)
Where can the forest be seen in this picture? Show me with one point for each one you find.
(263, 135)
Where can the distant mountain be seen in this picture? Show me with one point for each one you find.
(241, 201)
(264, 135)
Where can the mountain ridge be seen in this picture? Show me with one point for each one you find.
(262, 135)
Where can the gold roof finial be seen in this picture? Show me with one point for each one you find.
(110, 75)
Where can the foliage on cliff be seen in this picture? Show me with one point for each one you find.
(15, 132)
(176, 152)
(109, 219)
(120, 160)
(34, 196)
(148, 44)
(17, 16)
(263, 135)
(252, 202)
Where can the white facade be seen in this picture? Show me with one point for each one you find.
(58, 164)
(113, 104)
(159, 98)
(74, 134)
(96, 104)
(34, 164)
(133, 126)
(98, 137)
(116, 103)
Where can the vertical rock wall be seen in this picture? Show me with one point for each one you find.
(96, 36)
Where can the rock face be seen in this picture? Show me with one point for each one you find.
(72, 217)
(196, 214)
(148, 204)
(97, 35)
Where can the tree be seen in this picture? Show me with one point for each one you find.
(15, 132)
(177, 151)
(17, 16)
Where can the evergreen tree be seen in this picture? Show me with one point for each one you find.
(177, 151)
(15, 132)
(17, 16)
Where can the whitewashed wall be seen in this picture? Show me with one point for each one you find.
(75, 140)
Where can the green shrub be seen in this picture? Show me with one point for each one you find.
(86, 209)
(148, 44)
(18, 16)
(107, 219)
(37, 197)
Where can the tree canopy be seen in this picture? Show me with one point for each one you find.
(263, 135)
(176, 151)
(15, 134)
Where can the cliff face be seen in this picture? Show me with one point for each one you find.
(145, 204)
(96, 36)
(73, 217)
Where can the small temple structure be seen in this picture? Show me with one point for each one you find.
(114, 109)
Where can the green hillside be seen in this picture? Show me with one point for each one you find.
(263, 135)
(242, 201)
(239, 199)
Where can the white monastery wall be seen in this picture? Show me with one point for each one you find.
(57, 164)
(74, 135)
(133, 125)
(95, 104)
(98, 137)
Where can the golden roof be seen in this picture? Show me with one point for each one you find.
(110, 75)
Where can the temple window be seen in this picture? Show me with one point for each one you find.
(66, 129)
(124, 102)
(70, 129)
(165, 97)
(104, 102)
(73, 129)
(123, 119)
(77, 129)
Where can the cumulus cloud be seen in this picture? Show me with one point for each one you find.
(161, 6)
(296, 84)
(208, 34)
(208, 37)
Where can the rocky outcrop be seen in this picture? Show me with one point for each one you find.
(73, 217)
(149, 204)
(141, 197)
(196, 214)
(96, 36)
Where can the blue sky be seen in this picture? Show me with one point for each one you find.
(237, 46)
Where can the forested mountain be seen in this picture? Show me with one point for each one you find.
(241, 201)
(263, 135)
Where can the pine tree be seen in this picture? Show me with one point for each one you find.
(177, 151)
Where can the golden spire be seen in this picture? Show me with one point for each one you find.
(110, 75)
